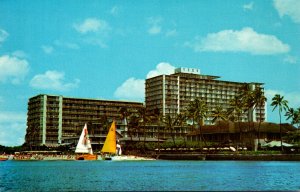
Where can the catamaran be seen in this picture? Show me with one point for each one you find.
(84, 148)
(111, 150)
(4, 157)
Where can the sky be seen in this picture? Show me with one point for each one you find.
(106, 49)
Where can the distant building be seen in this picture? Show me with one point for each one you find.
(51, 119)
(171, 94)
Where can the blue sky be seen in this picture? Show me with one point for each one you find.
(106, 49)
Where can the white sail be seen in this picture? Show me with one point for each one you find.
(84, 143)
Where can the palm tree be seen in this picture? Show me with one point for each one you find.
(218, 114)
(294, 115)
(169, 123)
(247, 95)
(104, 121)
(282, 104)
(259, 101)
(236, 110)
(133, 124)
(290, 113)
(143, 119)
(172, 122)
(296, 118)
(156, 117)
(248, 101)
(181, 120)
(197, 110)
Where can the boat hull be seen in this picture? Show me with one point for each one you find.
(125, 158)
(4, 157)
(86, 157)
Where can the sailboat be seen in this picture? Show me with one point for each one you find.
(113, 151)
(84, 148)
(4, 157)
(109, 149)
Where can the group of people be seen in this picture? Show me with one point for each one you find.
(42, 157)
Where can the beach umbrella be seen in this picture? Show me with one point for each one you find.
(276, 144)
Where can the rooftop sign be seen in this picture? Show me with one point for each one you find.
(187, 70)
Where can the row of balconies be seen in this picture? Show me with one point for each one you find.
(91, 109)
(34, 105)
(229, 92)
(84, 113)
(154, 97)
(31, 114)
(99, 103)
(152, 94)
(87, 118)
(204, 90)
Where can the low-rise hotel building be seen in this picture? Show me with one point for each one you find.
(51, 119)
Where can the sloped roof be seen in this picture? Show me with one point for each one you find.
(235, 127)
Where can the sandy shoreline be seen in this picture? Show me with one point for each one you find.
(236, 157)
(170, 156)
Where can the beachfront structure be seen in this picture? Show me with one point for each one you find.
(53, 119)
(241, 133)
(171, 94)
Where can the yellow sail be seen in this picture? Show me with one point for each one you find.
(110, 143)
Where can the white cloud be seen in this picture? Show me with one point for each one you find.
(171, 33)
(161, 68)
(91, 25)
(290, 59)
(12, 128)
(249, 6)
(131, 89)
(47, 49)
(53, 80)
(246, 40)
(114, 10)
(66, 44)
(155, 29)
(291, 97)
(12, 69)
(3, 35)
(95, 31)
(155, 25)
(19, 54)
(134, 89)
(288, 7)
(95, 41)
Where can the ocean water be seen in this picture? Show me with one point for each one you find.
(148, 175)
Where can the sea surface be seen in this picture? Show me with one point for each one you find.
(148, 175)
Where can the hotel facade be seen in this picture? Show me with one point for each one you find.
(171, 94)
(56, 120)
(51, 119)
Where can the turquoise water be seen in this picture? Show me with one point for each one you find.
(148, 175)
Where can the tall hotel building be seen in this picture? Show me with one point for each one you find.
(171, 94)
(52, 118)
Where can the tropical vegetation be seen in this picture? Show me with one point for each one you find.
(279, 102)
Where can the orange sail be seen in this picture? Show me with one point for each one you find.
(110, 143)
